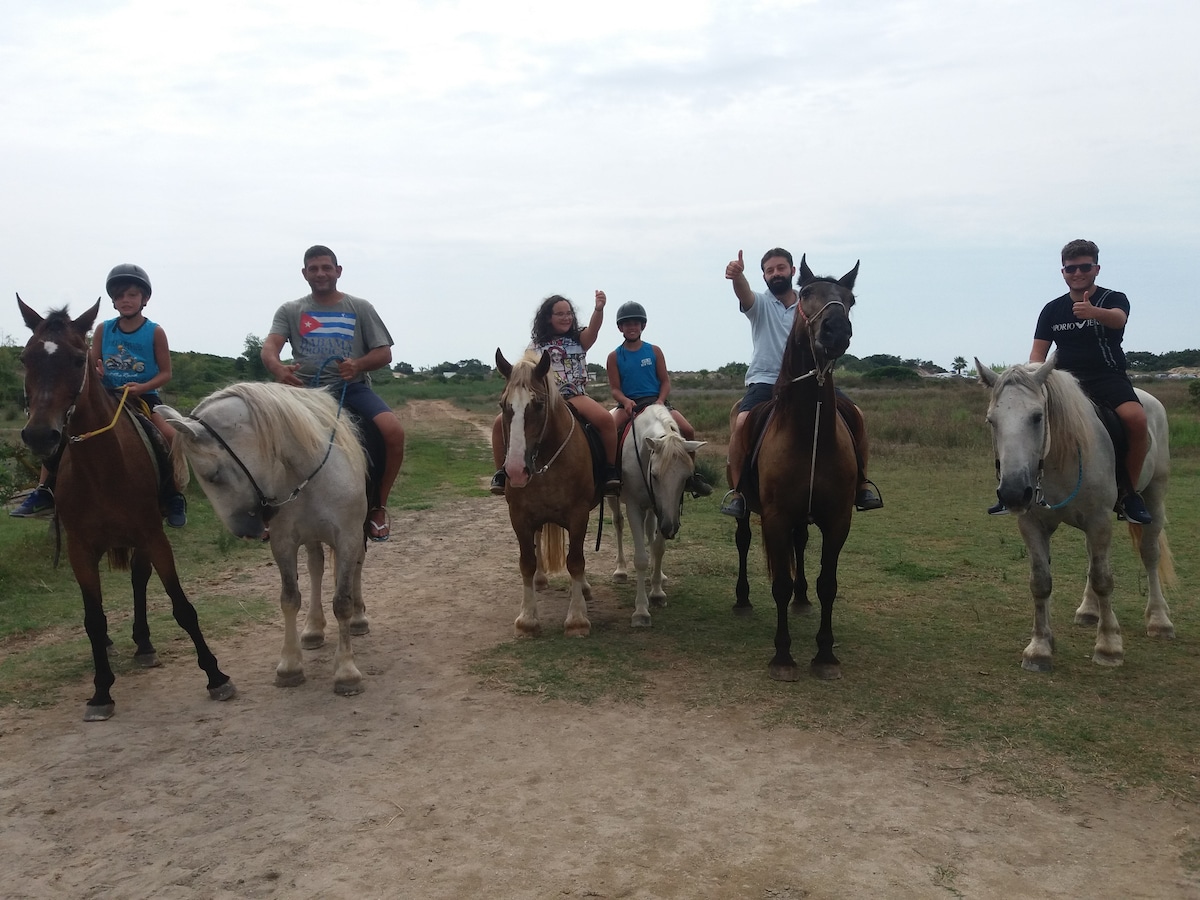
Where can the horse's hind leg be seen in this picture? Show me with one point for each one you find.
(139, 573)
(290, 671)
(801, 605)
(577, 623)
(1150, 542)
(1108, 650)
(313, 635)
(742, 605)
(347, 680)
(640, 524)
(219, 685)
(621, 573)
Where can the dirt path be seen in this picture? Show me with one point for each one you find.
(432, 785)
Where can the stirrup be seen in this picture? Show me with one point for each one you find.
(734, 504)
(868, 498)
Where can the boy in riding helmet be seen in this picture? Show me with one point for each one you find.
(638, 377)
(129, 353)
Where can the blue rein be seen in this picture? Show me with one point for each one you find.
(1078, 482)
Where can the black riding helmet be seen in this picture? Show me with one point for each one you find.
(122, 276)
(631, 310)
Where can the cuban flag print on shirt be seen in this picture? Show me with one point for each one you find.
(324, 334)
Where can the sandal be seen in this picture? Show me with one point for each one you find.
(379, 532)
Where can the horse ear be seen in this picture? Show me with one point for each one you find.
(543, 365)
(503, 364)
(847, 280)
(806, 274)
(31, 317)
(984, 373)
(693, 446)
(84, 323)
(1044, 370)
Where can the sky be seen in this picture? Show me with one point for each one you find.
(467, 159)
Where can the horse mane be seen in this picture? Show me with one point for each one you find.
(672, 446)
(522, 378)
(1070, 415)
(292, 423)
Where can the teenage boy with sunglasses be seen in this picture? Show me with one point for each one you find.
(1087, 324)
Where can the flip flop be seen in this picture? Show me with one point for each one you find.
(379, 533)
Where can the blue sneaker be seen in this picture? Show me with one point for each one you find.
(1135, 510)
(39, 501)
(177, 510)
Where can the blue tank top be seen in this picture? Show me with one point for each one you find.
(639, 371)
(127, 357)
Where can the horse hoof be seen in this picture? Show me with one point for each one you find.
(659, 601)
(147, 660)
(744, 610)
(578, 631)
(1161, 632)
(289, 679)
(640, 620)
(1111, 660)
(1091, 620)
(348, 688)
(620, 578)
(801, 607)
(784, 673)
(826, 671)
(99, 713)
(1042, 665)
(358, 629)
(312, 641)
(225, 691)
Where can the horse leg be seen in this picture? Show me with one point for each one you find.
(621, 573)
(1150, 542)
(163, 560)
(801, 605)
(85, 564)
(527, 620)
(139, 574)
(778, 542)
(358, 618)
(1108, 650)
(577, 623)
(347, 680)
(1038, 655)
(658, 546)
(742, 606)
(640, 522)
(290, 671)
(541, 581)
(313, 635)
(825, 664)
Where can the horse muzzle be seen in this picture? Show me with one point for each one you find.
(43, 441)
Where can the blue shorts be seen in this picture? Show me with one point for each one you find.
(757, 393)
(361, 400)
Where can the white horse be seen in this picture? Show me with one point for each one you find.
(1056, 464)
(288, 456)
(656, 462)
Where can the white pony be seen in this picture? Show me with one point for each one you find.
(1056, 464)
(288, 456)
(656, 462)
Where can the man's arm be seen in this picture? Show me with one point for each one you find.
(349, 369)
(271, 348)
(1041, 349)
(736, 272)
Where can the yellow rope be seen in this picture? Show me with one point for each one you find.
(120, 406)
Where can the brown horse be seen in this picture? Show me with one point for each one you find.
(107, 495)
(550, 484)
(805, 469)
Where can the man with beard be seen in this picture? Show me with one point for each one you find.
(771, 314)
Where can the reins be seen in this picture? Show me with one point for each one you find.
(1039, 497)
(819, 373)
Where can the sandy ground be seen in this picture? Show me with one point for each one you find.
(433, 785)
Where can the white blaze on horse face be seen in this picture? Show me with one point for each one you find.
(50, 347)
(514, 460)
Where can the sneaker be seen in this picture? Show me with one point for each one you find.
(698, 486)
(177, 510)
(497, 485)
(612, 482)
(998, 510)
(1135, 510)
(868, 499)
(734, 504)
(40, 500)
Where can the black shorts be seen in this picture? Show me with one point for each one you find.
(757, 393)
(643, 402)
(1110, 389)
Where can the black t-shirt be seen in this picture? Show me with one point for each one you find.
(1085, 347)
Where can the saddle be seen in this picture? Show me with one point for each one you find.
(596, 445)
(371, 440)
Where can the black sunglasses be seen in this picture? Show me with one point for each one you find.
(1080, 267)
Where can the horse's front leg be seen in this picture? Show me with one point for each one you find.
(801, 605)
(163, 560)
(139, 574)
(1109, 650)
(85, 564)
(658, 547)
(313, 635)
(779, 546)
(527, 619)
(621, 572)
(577, 623)
(825, 664)
(358, 619)
(640, 520)
(1038, 655)
(290, 671)
(347, 680)
(742, 605)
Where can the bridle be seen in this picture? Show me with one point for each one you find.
(1039, 498)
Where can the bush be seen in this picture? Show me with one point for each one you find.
(892, 373)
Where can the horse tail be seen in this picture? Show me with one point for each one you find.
(118, 559)
(1166, 559)
(553, 548)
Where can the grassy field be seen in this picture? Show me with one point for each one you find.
(933, 609)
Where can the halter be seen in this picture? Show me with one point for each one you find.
(1039, 498)
(647, 470)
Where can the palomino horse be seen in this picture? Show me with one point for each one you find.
(284, 454)
(107, 495)
(1056, 465)
(656, 462)
(805, 470)
(550, 484)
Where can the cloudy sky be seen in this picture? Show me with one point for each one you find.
(466, 159)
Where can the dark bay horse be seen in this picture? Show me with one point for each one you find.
(805, 468)
(107, 495)
(549, 487)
